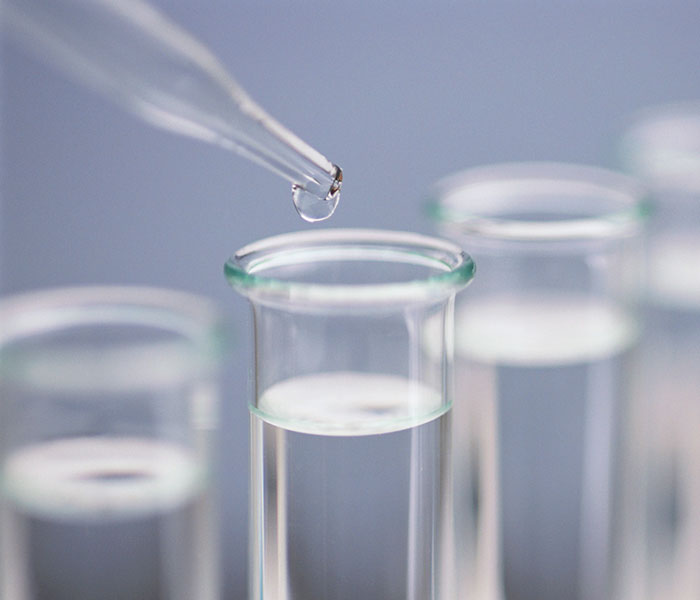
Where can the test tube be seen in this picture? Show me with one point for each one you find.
(661, 551)
(350, 420)
(108, 404)
(544, 345)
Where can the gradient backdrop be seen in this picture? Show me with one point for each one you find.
(398, 93)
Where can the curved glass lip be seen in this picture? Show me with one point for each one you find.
(33, 314)
(43, 311)
(469, 201)
(661, 145)
(245, 270)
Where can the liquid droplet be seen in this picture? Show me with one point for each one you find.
(312, 207)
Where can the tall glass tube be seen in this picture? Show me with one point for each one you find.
(351, 486)
(662, 537)
(543, 349)
(107, 409)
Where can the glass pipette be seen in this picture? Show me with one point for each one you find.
(144, 62)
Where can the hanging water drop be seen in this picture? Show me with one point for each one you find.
(313, 206)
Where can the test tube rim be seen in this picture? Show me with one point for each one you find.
(194, 320)
(457, 202)
(643, 152)
(245, 269)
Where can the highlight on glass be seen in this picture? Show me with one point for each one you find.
(545, 347)
(108, 405)
(350, 420)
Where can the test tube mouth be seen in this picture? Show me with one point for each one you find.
(108, 338)
(539, 201)
(349, 268)
(661, 146)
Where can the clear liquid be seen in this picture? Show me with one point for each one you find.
(661, 550)
(661, 533)
(348, 512)
(107, 519)
(540, 383)
(311, 207)
(316, 203)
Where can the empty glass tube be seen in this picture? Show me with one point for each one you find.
(351, 485)
(108, 402)
(138, 58)
(543, 346)
(661, 550)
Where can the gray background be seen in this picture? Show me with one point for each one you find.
(398, 93)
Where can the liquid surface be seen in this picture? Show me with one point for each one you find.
(346, 404)
(541, 330)
(339, 514)
(107, 519)
(674, 276)
(102, 478)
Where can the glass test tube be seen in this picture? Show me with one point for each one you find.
(107, 407)
(543, 347)
(662, 535)
(350, 421)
